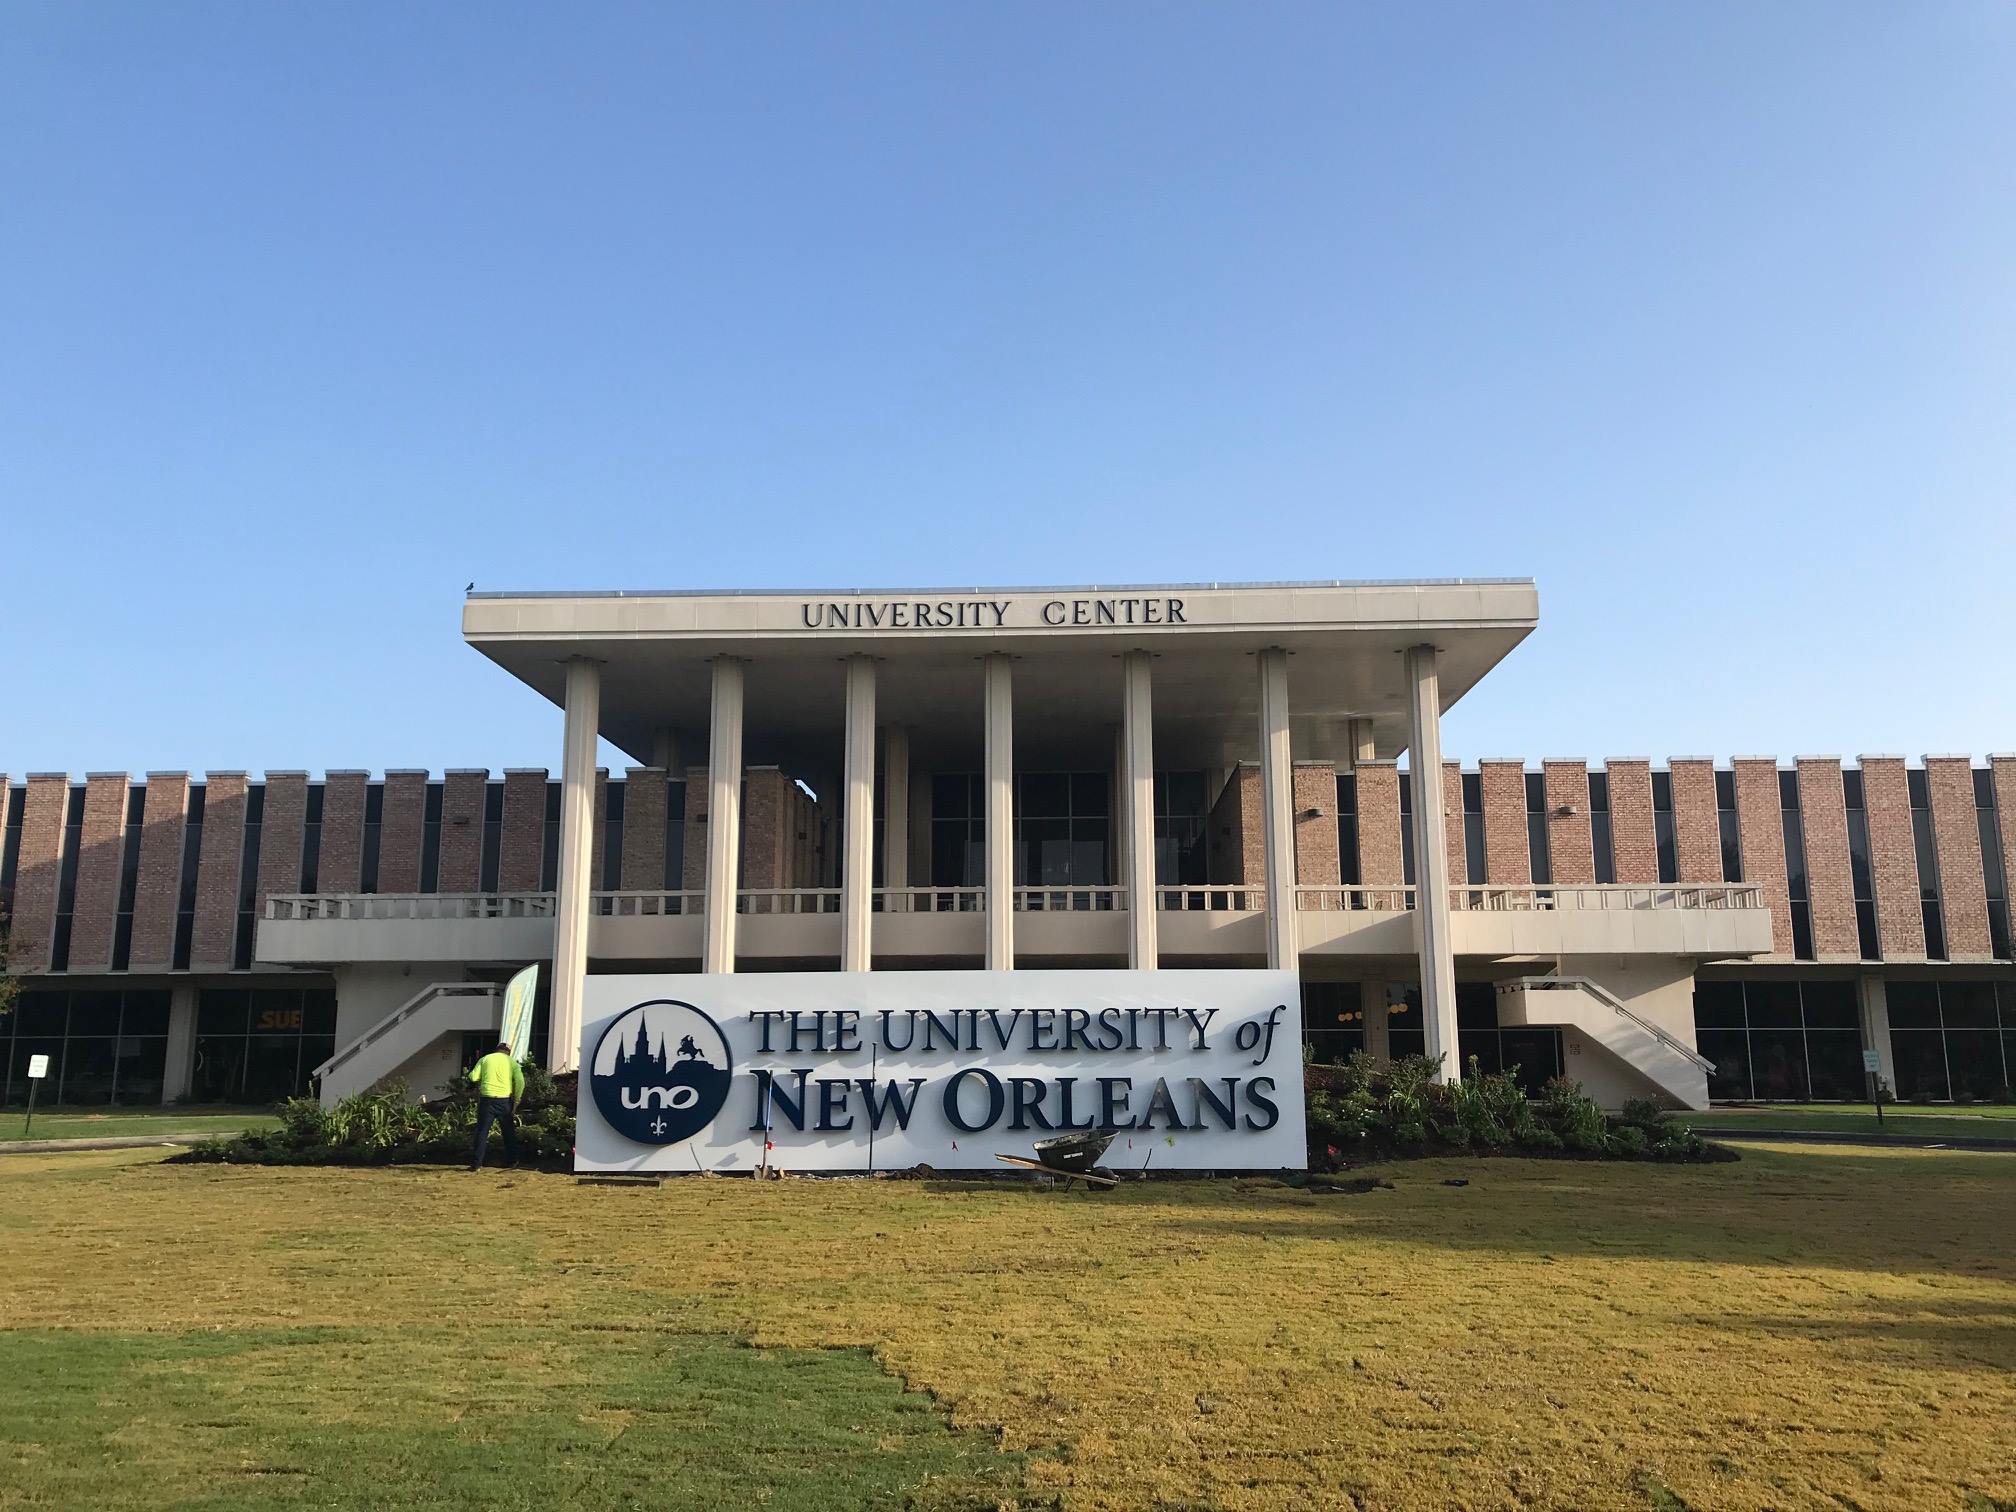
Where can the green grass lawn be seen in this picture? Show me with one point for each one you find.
(1811, 1327)
(113, 1123)
(1916, 1120)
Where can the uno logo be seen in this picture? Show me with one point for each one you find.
(660, 1072)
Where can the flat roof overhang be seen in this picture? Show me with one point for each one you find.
(1344, 640)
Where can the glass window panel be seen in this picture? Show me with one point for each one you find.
(1963, 1005)
(222, 1010)
(88, 1067)
(1484, 1045)
(143, 1061)
(948, 795)
(2005, 993)
(1533, 1055)
(1730, 1050)
(1778, 1065)
(94, 1013)
(1718, 1005)
(1772, 1004)
(1974, 1058)
(1920, 1059)
(270, 1067)
(1834, 1063)
(276, 1011)
(1476, 1005)
(318, 1011)
(41, 1013)
(1046, 794)
(1913, 1005)
(1090, 793)
(146, 1013)
(1401, 1042)
(317, 1048)
(1830, 1005)
(219, 1074)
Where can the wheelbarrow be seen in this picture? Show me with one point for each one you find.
(1075, 1157)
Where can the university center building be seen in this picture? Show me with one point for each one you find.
(994, 779)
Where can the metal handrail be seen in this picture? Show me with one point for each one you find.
(431, 993)
(1610, 1000)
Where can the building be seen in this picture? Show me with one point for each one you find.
(991, 779)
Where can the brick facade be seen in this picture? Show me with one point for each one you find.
(217, 870)
(1697, 826)
(1893, 857)
(1571, 850)
(283, 826)
(1454, 849)
(1634, 842)
(164, 822)
(1508, 855)
(1760, 829)
(401, 822)
(693, 850)
(1315, 805)
(521, 850)
(462, 796)
(2004, 768)
(1830, 878)
(644, 807)
(1956, 833)
(1238, 854)
(340, 867)
(94, 910)
(38, 870)
(1381, 846)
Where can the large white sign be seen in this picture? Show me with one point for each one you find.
(859, 1071)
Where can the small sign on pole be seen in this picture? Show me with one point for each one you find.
(1872, 1067)
(1871, 1062)
(38, 1067)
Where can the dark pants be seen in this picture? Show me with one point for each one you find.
(491, 1110)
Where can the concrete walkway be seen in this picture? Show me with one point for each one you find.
(1843, 1137)
(109, 1142)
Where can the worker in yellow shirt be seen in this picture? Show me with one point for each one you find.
(500, 1082)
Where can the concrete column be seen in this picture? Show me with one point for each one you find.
(724, 814)
(1137, 739)
(1277, 818)
(857, 830)
(179, 1075)
(1359, 735)
(577, 840)
(1000, 743)
(665, 752)
(1431, 858)
(895, 807)
(1372, 1003)
(1873, 1002)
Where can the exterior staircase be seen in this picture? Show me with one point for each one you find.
(437, 1009)
(1673, 1071)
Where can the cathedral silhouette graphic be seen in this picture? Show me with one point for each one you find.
(655, 1075)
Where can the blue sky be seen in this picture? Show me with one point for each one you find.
(1704, 316)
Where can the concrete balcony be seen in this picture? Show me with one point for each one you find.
(1197, 925)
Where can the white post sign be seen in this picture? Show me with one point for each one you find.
(859, 1071)
(38, 1067)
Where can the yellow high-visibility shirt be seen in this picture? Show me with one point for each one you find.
(497, 1075)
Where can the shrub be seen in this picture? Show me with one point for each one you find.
(1642, 1113)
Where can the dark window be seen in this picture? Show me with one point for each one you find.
(1182, 814)
(185, 903)
(1406, 832)
(1781, 1039)
(1945, 1040)
(261, 1046)
(1928, 864)
(1473, 828)
(612, 838)
(1726, 826)
(1063, 821)
(1333, 1019)
(549, 854)
(66, 878)
(311, 838)
(1994, 873)
(1599, 827)
(15, 801)
(1858, 867)
(675, 836)
(103, 1047)
(430, 840)
(1662, 826)
(129, 875)
(1348, 869)
(374, 821)
(493, 835)
(248, 876)
(1794, 826)
(1538, 855)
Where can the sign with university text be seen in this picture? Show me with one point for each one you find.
(859, 1071)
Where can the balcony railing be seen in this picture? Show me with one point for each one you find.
(1199, 898)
